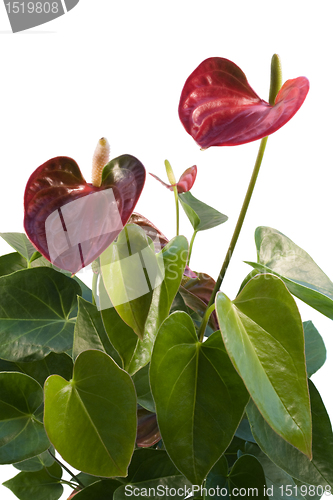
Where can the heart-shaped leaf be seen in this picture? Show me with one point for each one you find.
(219, 108)
(12, 262)
(279, 484)
(279, 255)
(99, 490)
(136, 353)
(40, 485)
(130, 273)
(142, 387)
(58, 364)
(91, 420)
(148, 463)
(315, 351)
(198, 427)
(71, 222)
(20, 243)
(22, 433)
(256, 329)
(36, 463)
(35, 313)
(201, 216)
(246, 479)
(89, 332)
(319, 470)
(156, 489)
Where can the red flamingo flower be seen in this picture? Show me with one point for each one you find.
(219, 108)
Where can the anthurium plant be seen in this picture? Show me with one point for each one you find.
(153, 382)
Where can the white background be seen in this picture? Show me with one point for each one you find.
(116, 69)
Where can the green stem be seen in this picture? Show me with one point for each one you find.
(240, 221)
(191, 245)
(204, 322)
(67, 470)
(94, 288)
(177, 208)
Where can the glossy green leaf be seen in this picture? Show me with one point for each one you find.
(36, 463)
(134, 352)
(91, 420)
(244, 431)
(99, 490)
(256, 329)
(160, 488)
(89, 332)
(130, 273)
(315, 351)
(218, 480)
(280, 485)
(201, 216)
(11, 262)
(245, 480)
(279, 255)
(142, 387)
(22, 433)
(20, 243)
(42, 262)
(150, 464)
(52, 364)
(40, 485)
(196, 429)
(120, 334)
(317, 471)
(35, 314)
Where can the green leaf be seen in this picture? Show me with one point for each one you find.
(53, 364)
(315, 351)
(120, 334)
(11, 262)
(263, 334)
(155, 489)
(201, 216)
(130, 272)
(91, 420)
(142, 387)
(245, 480)
(35, 314)
(36, 463)
(195, 429)
(279, 255)
(244, 431)
(20, 243)
(41, 485)
(22, 433)
(134, 352)
(280, 486)
(99, 490)
(150, 464)
(319, 470)
(89, 332)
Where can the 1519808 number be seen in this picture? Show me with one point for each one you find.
(32, 7)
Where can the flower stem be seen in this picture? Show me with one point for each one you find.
(204, 322)
(67, 470)
(240, 220)
(191, 245)
(177, 209)
(173, 182)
